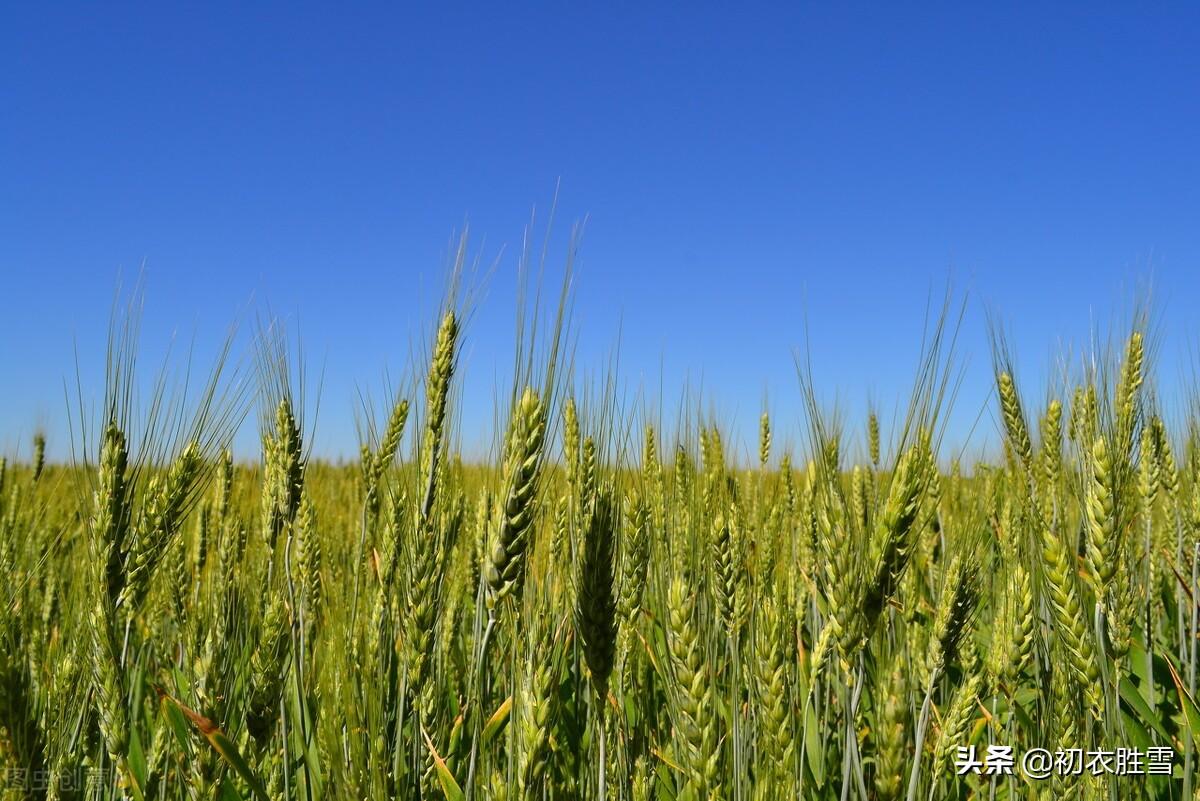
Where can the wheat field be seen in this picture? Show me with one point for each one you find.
(612, 607)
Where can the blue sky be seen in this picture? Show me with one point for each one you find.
(745, 177)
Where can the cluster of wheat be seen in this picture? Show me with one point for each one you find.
(604, 612)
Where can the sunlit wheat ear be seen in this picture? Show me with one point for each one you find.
(560, 545)
(158, 527)
(1168, 472)
(802, 510)
(1070, 625)
(107, 533)
(892, 542)
(283, 474)
(1126, 602)
(203, 540)
(391, 438)
(426, 588)
(859, 497)
(426, 568)
(224, 487)
(843, 585)
(955, 608)
(956, 723)
(1014, 418)
(1127, 404)
(1149, 476)
(650, 462)
(635, 557)
(375, 465)
(437, 394)
(538, 707)
(1101, 522)
(310, 561)
(1022, 624)
(893, 719)
(712, 452)
(522, 470)
(764, 440)
(268, 668)
(682, 478)
(696, 729)
(723, 573)
(424, 538)
(1063, 727)
(1051, 456)
(1085, 413)
(1162, 536)
(587, 474)
(270, 664)
(571, 443)
(777, 741)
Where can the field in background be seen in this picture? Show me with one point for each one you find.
(604, 613)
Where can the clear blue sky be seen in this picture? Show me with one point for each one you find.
(743, 174)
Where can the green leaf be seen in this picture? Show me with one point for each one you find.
(1137, 702)
(497, 721)
(445, 778)
(137, 761)
(309, 761)
(221, 744)
(1191, 715)
(1139, 737)
(229, 792)
(813, 746)
(178, 724)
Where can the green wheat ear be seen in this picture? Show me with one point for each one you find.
(1023, 624)
(893, 719)
(1069, 622)
(107, 533)
(522, 470)
(1051, 456)
(777, 741)
(437, 394)
(955, 608)
(283, 467)
(1127, 400)
(224, 487)
(635, 556)
(764, 440)
(696, 729)
(1101, 519)
(538, 709)
(159, 526)
(724, 573)
(1014, 418)
(571, 443)
(310, 561)
(956, 726)
(595, 604)
(892, 543)
(39, 455)
(873, 438)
